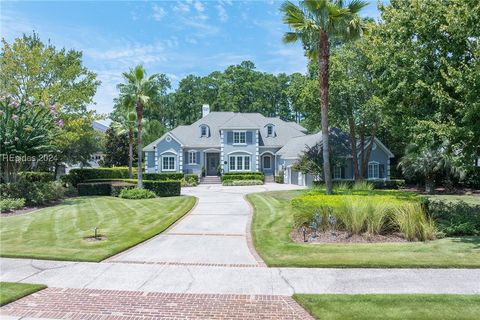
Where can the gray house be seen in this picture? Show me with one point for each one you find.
(239, 142)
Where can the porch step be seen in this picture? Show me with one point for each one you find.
(210, 180)
(269, 179)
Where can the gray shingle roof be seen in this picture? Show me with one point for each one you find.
(189, 136)
(296, 146)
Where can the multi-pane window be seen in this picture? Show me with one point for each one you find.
(373, 171)
(270, 130)
(239, 137)
(337, 172)
(203, 131)
(239, 163)
(192, 157)
(168, 163)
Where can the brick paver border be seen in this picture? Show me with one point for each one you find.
(195, 264)
(56, 303)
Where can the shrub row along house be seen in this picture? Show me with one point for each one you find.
(223, 142)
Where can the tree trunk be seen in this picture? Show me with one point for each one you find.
(353, 142)
(429, 186)
(323, 57)
(130, 152)
(373, 133)
(139, 109)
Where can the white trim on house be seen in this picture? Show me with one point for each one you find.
(189, 160)
(235, 162)
(239, 132)
(239, 151)
(169, 151)
(376, 170)
(264, 152)
(169, 169)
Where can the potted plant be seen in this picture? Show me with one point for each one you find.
(219, 170)
(203, 171)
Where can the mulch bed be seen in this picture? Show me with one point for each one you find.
(343, 237)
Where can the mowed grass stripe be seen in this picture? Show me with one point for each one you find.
(58, 232)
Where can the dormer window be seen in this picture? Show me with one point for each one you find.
(203, 131)
(270, 130)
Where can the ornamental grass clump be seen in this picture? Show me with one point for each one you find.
(378, 216)
(362, 186)
(411, 220)
(363, 215)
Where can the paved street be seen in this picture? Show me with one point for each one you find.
(205, 260)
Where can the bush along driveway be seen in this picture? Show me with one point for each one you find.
(273, 222)
(66, 231)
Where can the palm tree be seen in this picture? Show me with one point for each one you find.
(317, 23)
(139, 90)
(429, 162)
(126, 124)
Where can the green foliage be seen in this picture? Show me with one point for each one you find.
(35, 193)
(136, 193)
(362, 186)
(242, 182)
(116, 148)
(163, 188)
(119, 186)
(243, 176)
(164, 176)
(360, 211)
(76, 176)
(455, 218)
(34, 176)
(9, 204)
(190, 180)
(94, 189)
(279, 178)
(56, 78)
(411, 220)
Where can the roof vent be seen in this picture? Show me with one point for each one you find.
(205, 110)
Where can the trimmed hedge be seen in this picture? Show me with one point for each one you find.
(242, 182)
(163, 176)
(163, 188)
(95, 189)
(245, 172)
(76, 176)
(244, 176)
(191, 176)
(33, 176)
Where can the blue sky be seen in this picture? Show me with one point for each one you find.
(176, 38)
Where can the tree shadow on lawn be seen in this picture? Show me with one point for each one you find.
(469, 240)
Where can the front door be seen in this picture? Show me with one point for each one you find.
(213, 161)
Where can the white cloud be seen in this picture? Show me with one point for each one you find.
(199, 6)
(182, 7)
(158, 12)
(222, 13)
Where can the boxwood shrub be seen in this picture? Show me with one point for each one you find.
(136, 193)
(242, 182)
(76, 176)
(163, 176)
(94, 189)
(244, 176)
(163, 188)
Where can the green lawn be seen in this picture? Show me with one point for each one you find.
(11, 291)
(58, 232)
(272, 224)
(391, 307)
(475, 200)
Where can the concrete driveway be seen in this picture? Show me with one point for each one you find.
(215, 232)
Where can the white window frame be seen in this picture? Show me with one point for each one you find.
(270, 128)
(192, 157)
(270, 162)
(244, 159)
(201, 131)
(174, 163)
(240, 134)
(337, 172)
(373, 170)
